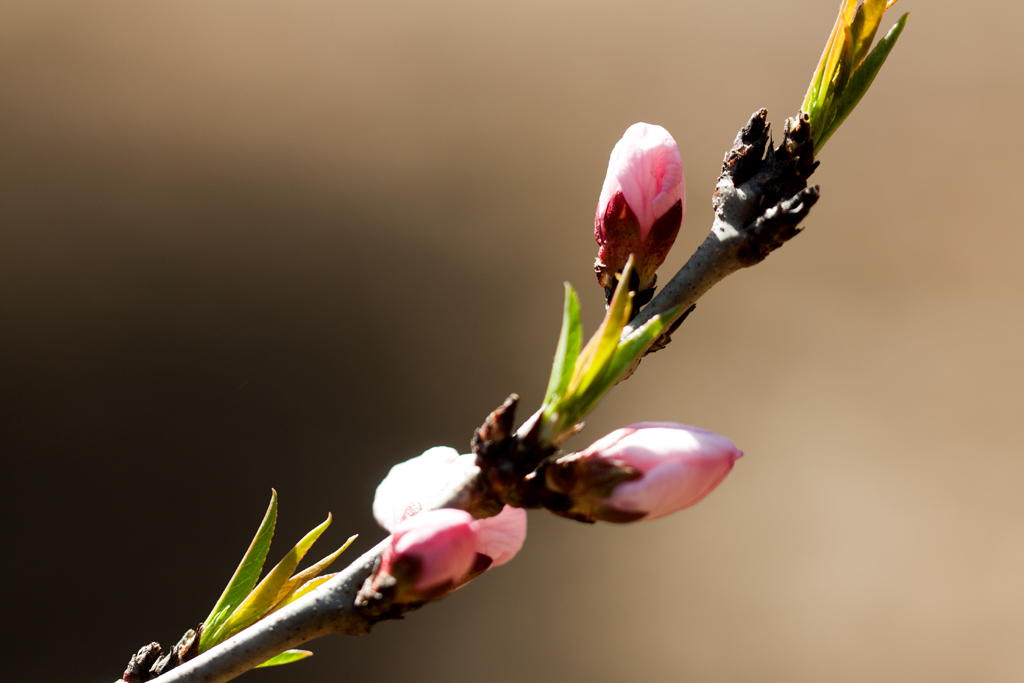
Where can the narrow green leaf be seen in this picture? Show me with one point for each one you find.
(602, 345)
(629, 350)
(286, 657)
(634, 346)
(845, 66)
(305, 588)
(299, 580)
(865, 25)
(586, 358)
(245, 576)
(592, 378)
(568, 349)
(835, 57)
(618, 316)
(211, 626)
(847, 10)
(263, 597)
(860, 82)
(818, 80)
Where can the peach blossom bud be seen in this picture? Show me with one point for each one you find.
(644, 471)
(502, 536)
(430, 551)
(641, 205)
(415, 484)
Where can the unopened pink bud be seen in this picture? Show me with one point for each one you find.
(430, 551)
(644, 471)
(642, 204)
(414, 485)
(502, 536)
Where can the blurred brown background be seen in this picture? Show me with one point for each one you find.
(255, 244)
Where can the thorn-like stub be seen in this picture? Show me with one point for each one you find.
(506, 456)
(150, 661)
(188, 646)
(496, 429)
(376, 599)
(776, 226)
(748, 150)
(141, 663)
(762, 194)
(798, 145)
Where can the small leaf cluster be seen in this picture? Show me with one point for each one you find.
(847, 69)
(246, 599)
(581, 377)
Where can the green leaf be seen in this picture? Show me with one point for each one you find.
(860, 82)
(602, 345)
(837, 42)
(590, 378)
(301, 579)
(269, 590)
(286, 657)
(618, 316)
(845, 65)
(245, 576)
(628, 351)
(865, 25)
(606, 357)
(305, 588)
(211, 625)
(568, 349)
(819, 81)
(634, 346)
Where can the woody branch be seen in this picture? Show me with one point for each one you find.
(760, 200)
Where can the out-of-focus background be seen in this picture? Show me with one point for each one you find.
(289, 244)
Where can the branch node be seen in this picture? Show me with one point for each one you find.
(150, 661)
(776, 226)
(748, 150)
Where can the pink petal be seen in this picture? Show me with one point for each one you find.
(680, 465)
(415, 484)
(443, 541)
(647, 167)
(647, 445)
(671, 486)
(501, 536)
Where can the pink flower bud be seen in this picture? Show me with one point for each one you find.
(502, 536)
(641, 206)
(430, 551)
(415, 484)
(644, 471)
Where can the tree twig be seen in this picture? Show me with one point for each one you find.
(760, 199)
(328, 609)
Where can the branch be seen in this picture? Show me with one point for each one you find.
(335, 607)
(328, 609)
(760, 199)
